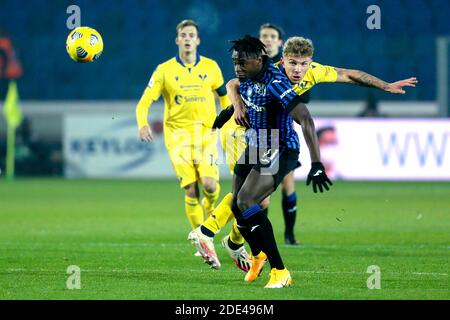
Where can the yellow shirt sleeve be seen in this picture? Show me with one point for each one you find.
(224, 101)
(217, 82)
(151, 93)
(323, 73)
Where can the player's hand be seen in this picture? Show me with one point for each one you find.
(318, 177)
(146, 134)
(240, 114)
(397, 87)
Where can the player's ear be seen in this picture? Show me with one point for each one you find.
(198, 41)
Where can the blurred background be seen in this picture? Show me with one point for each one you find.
(78, 119)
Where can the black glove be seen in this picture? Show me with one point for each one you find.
(223, 117)
(318, 177)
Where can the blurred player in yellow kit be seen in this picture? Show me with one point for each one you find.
(188, 84)
(303, 73)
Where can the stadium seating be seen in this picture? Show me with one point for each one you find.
(140, 34)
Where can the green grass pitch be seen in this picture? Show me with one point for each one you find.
(129, 239)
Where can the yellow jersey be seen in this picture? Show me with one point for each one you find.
(315, 74)
(188, 92)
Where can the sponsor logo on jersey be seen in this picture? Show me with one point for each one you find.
(285, 93)
(179, 99)
(250, 104)
(195, 99)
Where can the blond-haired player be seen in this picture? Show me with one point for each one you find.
(188, 83)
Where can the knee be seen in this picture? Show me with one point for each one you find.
(244, 201)
(191, 190)
(210, 185)
(288, 184)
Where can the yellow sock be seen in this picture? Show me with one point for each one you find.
(194, 211)
(221, 215)
(235, 236)
(210, 199)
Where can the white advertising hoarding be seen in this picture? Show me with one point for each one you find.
(102, 145)
(382, 149)
(98, 145)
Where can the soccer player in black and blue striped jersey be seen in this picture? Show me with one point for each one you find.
(272, 152)
(271, 36)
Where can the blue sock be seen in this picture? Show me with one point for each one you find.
(289, 204)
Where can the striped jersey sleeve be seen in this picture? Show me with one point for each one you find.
(281, 90)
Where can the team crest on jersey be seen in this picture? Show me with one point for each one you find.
(249, 92)
(260, 89)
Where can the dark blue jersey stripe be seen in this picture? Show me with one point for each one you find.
(269, 98)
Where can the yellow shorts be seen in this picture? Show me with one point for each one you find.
(193, 154)
(232, 139)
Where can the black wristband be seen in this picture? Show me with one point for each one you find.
(317, 165)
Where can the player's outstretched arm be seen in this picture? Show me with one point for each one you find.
(364, 79)
(240, 110)
(317, 174)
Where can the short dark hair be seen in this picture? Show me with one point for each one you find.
(251, 46)
(274, 27)
(187, 23)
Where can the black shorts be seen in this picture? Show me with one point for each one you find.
(276, 163)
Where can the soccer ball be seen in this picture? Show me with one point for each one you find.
(84, 44)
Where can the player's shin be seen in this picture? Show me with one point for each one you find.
(220, 216)
(236, 237)
(210, 199)
(194, 211)
(289, 205)
(262, 232)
